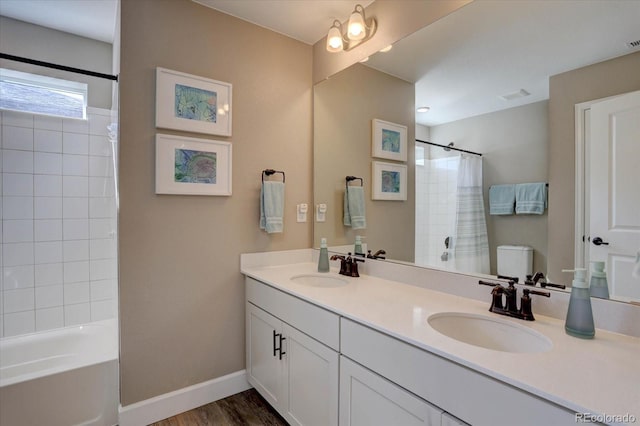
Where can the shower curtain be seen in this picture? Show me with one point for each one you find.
(471, 244)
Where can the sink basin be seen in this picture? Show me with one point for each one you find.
(489, 333)
(317, 280)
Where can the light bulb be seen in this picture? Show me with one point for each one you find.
(356, 29)
(334, 40)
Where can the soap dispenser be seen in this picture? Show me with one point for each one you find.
(579, 321)
(323, 260)
(357, 248)
(598, 286)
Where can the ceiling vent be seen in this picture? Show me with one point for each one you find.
(633, 44)
(515, 95)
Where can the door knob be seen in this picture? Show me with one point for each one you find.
(598, 241)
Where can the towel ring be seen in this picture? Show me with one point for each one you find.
(270, 172)
(352, 178)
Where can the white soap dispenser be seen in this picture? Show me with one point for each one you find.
(579, 321)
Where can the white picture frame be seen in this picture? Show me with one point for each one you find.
(389, 181)
(388, 140)
(192, 103)
(191, 166)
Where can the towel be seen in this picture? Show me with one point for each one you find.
(272, 207)
(531, 198)
(502, 199)
(354, 213)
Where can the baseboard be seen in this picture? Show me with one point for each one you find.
(176, 402)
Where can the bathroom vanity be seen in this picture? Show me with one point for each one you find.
(327, 349)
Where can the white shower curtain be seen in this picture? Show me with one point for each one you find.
(471, 244)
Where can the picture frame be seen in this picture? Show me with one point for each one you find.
(191, 166)
(388, 140)
(192, 103)
(389, 181)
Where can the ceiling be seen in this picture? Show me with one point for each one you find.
(461, 64)
(95, 19)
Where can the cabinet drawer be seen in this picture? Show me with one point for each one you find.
(318, 323)
(468, 395)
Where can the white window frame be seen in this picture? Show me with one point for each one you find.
(53, 84)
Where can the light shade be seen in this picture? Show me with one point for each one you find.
(357, 29)
(334, 38)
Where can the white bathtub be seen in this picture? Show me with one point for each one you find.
(63, 377)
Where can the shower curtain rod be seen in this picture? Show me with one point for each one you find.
(58, 67)
(449, 147)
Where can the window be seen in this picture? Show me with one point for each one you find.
(20, 91)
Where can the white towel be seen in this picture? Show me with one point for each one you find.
(272, 207)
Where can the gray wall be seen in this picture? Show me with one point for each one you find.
(181, 291)
(344, 107)
(608, 78)
(43, 44)
(514, 144)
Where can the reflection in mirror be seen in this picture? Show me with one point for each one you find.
(484, 72)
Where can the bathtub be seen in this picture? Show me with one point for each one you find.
(65, 377)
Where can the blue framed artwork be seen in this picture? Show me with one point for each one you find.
(388, 140)
(191, 166)
(389, 181)
(191, 103)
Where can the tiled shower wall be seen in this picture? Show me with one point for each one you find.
(436, 182)
(58, 210)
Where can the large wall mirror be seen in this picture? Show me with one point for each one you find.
(483, 72)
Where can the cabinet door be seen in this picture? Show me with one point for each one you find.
(312, 380)
(264, 367)
(367, 399)
(449, 420)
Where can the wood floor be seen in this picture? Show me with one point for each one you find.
(245, 408)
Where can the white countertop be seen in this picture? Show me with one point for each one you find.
(599, 376)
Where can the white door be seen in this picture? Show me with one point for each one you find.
(264, 366)
(367, 399)
(614, 191)
(312, 380)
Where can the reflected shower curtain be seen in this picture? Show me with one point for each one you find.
(471, 248)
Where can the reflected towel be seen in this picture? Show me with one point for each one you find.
(272, 207)
(354, 211)
(531, 198)
(502, 199)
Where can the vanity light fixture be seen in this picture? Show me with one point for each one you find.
(386, 49)
(423, 109)
(358, 31)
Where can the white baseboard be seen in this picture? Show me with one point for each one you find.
(176, 402)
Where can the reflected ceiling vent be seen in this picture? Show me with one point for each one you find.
(515, 95)
(633, 44)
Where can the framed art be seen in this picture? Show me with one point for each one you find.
(190, 166)
(389, 181)
(193, 104)
(388, 140)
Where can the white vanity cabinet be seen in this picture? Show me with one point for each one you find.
(292, 357)
(466, 394)
(367, 399)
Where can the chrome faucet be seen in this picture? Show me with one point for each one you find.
(510, 293)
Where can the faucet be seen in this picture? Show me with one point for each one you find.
(511, 305)
(377, 255)
(539, 277)
(348, 265)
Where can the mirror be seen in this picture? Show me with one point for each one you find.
(459, 66)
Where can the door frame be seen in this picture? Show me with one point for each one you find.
(581, 248)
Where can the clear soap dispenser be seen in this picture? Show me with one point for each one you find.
(579, 321)
(357, 248)
(598, 286)
(323, 260)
